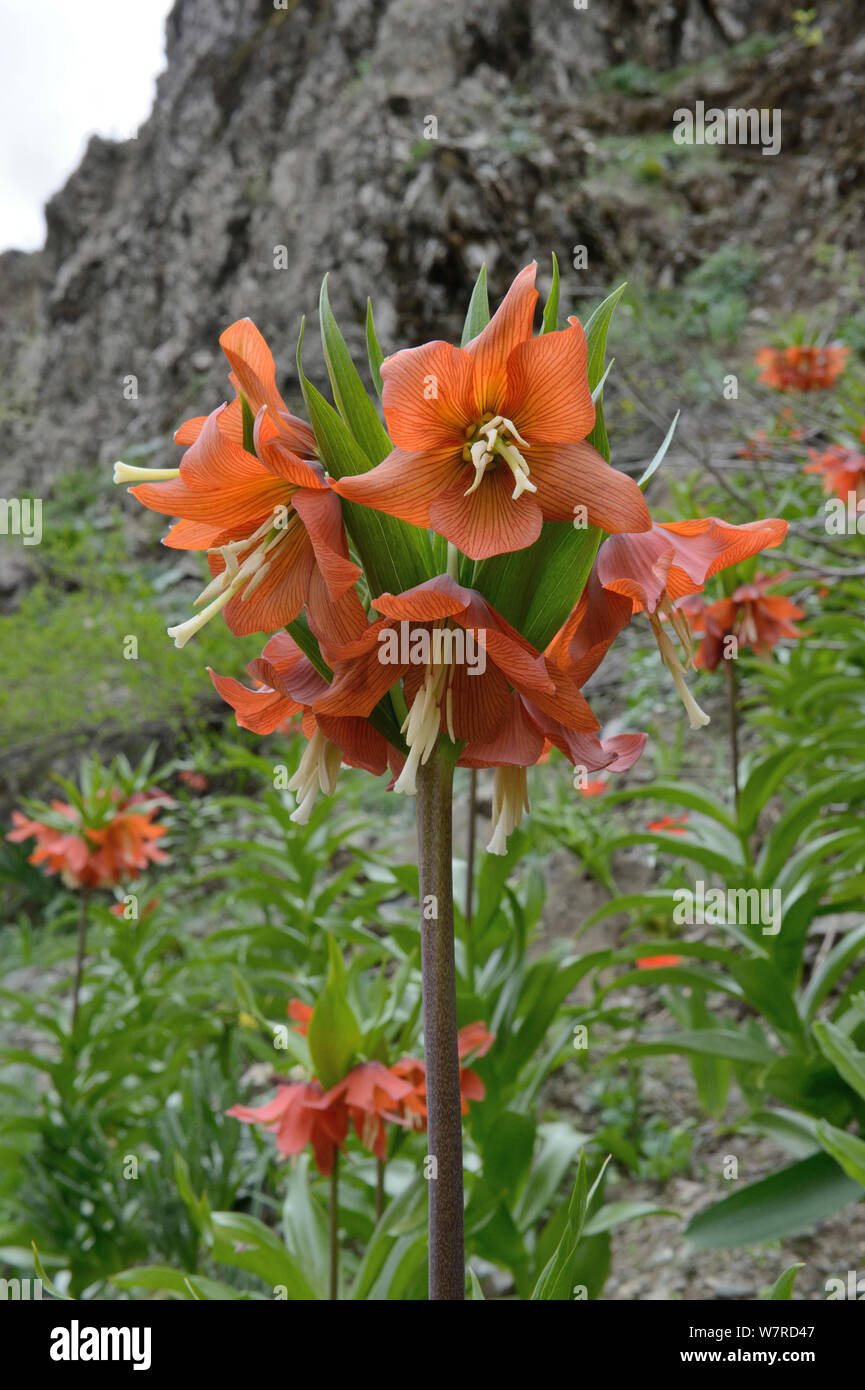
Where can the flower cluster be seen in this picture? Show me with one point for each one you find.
(753, 616)
(95, 853)
(487, 450)
(369, 1097)
(801, 367)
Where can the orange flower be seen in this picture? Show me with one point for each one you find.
(801, 368)
(501, 708)
(196, 781)
(269, 522)
(670, 825)
(95, 856)
(288, 683)
(843, 471)
(301, 1013)
(473, 1038)
(373, 1094)
(301, 1113)
(491, 438)
(756, 618)
(657, 962)
(757, 450)
(657, 568)
(595, 786)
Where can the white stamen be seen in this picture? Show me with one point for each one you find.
(697, 718)
(318, 771)
(510, 799)
(127, 473)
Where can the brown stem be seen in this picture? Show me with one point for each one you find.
(79, 955)
(444, 1118)
(334, 1229)
(733, 709)
(470, 876)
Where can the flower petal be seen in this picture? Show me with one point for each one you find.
(427, 396)
(548, 396)
(570, 475)
(405, 483)
(488, 521)
(509, 326)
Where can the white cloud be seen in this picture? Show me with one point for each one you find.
(71, 69)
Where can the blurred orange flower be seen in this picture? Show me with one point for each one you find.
(101, 857)
(843, 470)
(657, 962)
(801, 368)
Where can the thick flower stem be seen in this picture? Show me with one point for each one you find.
(79, 956)
(733, 708)
(333, 1292)
(444, 1118)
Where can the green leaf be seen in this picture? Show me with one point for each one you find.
(784, 1204)
(333, 1032)
(551, 308)
(840, 1051)
(248, 420)
(353, 403)
(717, 1042)
(614, 1214)
(782, 1289)
(507, 1151)
(555, 1282)
(596, 339)
(661, 454)
(478, 312)
(847, 1149)
(47, 1283)
(373, 350)
(394, 555)
(560, 1144)
(246, 1243)
(152, 1277)
(475, 1286)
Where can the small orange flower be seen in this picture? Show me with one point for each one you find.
(301, 1013)
(491, 438)
(473, 1038)
(843, 471)
(95, 856)
(595, 786)
(657, 962)
(658, 568)
(301, 1113)
(801, 368)
(287, 684)
(373, 1094)
(670, 825)
(756, 619)
(196, 781)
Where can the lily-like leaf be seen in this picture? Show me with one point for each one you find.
(394, 555)
(478, 312)
(659, 456)
(353, 403)
(333, 1033)
(551, 308)
(373, 350)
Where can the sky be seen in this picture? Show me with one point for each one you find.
(71, 69)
